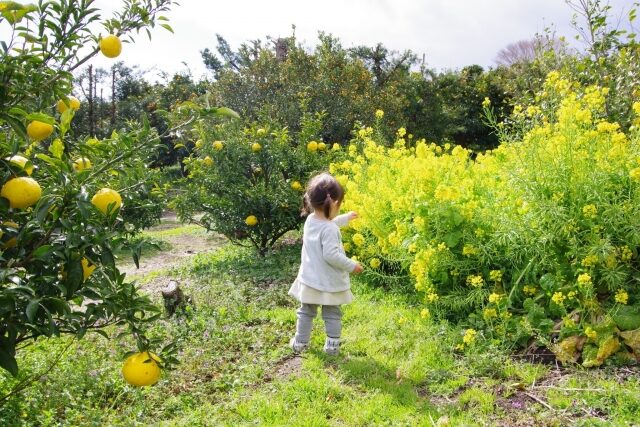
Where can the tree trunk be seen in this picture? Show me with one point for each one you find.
(113, 98)
(90, 99)
(174, 298)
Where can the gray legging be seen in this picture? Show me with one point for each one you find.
(331, 314)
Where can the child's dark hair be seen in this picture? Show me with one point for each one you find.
(321, 191)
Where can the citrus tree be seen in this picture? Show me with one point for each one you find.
(247, 179)
(64, 205)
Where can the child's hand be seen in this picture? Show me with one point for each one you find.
(352, 215)
(358, 269)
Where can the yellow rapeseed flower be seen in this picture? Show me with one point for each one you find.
(558, 298)
(475, 280)
(469, 250)
(494, 298)
(584, 279)
(489, 313)
(495, 275)
(622, 296)
(590, 261)
(358, 239)
(590, 211)
(469, 336)
(379, 114)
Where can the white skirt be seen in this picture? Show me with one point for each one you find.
(308, 295)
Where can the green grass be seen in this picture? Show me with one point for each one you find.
(395, 368)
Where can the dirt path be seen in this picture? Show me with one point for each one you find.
(182, 245)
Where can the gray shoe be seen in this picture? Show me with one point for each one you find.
(332, 346)
(296, 346)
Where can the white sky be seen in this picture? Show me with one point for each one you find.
(450, 33)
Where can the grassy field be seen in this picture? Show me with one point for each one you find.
(395, 367)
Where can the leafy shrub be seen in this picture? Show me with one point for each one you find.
(248, 182)
(536, 239)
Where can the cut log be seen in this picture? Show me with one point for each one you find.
(174, 298)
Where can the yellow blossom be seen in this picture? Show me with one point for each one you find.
(495, 298)
(590, 333)
(469, 336)
(568, 322)
(486, 102)
(469, 250)
(495, 275)
(402, 132)
(374, 263)
(475, 281)
(425, 313)
(590, 261)
(379, 114)
(529, 290)
(432, 296)
(584, 279)
(489, 313)
(634, 174)
(558, 298)
(622, 296)
(347, 247)
(625, 253)
(590, 211)
(442, 246)
(358, 239)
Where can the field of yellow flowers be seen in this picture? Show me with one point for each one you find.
(532, 243)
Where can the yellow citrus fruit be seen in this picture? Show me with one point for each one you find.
(22, 192)
(141, 369)
(321, 146)
(106, 197)
(38, 130)
(21, 161)
(296, 185)
(208, 161)
(74, 103)
(251, 220)
(312, 146)
(255, 147)
(260, 132)
(81, 163)
(87, 268)
(110, 46)
(13, 241)
(218, 145)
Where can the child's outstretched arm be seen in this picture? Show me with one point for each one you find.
(342, 220)
(333, 255)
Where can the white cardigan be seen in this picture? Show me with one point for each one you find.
(324, 265)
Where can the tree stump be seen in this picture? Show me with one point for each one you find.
(174, 298)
